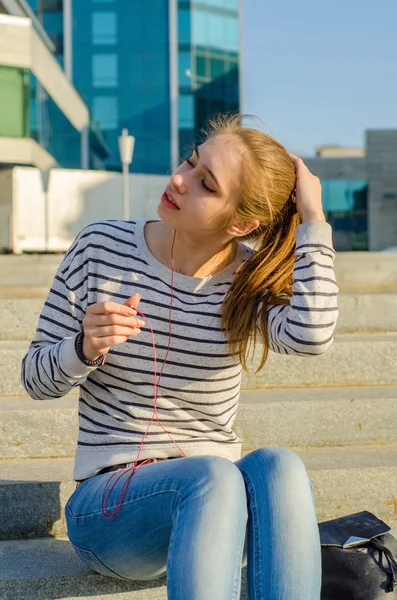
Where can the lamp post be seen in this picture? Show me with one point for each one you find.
(45, 179)
(126, 148)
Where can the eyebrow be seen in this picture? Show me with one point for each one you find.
(196, 150)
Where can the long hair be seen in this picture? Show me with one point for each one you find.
(267, 193)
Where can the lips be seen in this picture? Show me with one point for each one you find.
(170, 198)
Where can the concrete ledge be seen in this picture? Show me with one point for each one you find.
(50, 569)
(364, 272)
(287, 417)
(357, 313)
(356, 272)
(353, 360)
(33, 492)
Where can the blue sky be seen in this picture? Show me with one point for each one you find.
(320, 71)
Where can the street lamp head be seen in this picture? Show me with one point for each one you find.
(126, 147)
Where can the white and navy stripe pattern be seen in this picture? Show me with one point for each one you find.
(200, 386)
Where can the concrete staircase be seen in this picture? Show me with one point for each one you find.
(337, 411)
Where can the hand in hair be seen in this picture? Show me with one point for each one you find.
(308, 193)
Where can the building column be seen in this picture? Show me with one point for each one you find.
(68, 39)
(174, 84)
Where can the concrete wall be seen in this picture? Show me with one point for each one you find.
(382, 176)
(74, 199)
(337, 168)
(5, 209)
(25, 151)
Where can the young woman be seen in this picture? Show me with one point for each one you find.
(162, 487)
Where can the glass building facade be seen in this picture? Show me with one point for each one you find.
(121, 64)
(47, 123)
(29, 112)
(208, 63)
(345, 203)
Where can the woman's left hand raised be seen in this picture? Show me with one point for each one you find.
(308, 193)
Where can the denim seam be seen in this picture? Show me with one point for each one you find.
(255, 518)
(93, 514)
(236, 593)
(100, 561)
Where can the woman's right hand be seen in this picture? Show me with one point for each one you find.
(107, 324)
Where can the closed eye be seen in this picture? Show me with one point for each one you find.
(205, 186)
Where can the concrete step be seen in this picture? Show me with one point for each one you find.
(16, 292)
(26, 270)
(363, 272)
(287, 417)
(33, 492)
(358, 313)
(49, 569)
(357, 272)
(352, 360)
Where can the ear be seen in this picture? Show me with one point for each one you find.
(242, 228)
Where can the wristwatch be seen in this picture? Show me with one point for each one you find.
(79, 351)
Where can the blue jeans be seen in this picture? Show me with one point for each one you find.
(199, 520)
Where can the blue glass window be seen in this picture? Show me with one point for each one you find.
(184, 26)
(200, 28)
(104, 70)
(215, 27)
(104, 27)
(219, 31)
(105, 111)
(217, 67)
(186, 112)
(53, 22)
(201, 66)
(231, 34)
(223, 4)
(185, 73)
(341, 194)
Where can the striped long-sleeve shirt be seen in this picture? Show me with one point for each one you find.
(198, 395)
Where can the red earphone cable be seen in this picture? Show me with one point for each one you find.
(105, 497)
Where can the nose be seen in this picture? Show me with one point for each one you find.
(178, 182)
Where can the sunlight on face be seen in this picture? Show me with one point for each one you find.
(205, 186)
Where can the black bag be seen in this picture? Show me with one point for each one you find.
(358, 558)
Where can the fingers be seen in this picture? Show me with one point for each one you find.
(133, 301)
(103, 308)
(109, 323)
(113, 331)
(113, 319)
(299, 164)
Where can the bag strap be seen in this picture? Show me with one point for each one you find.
(389, 557)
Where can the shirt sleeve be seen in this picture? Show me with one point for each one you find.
(306, 325)
(51, 367)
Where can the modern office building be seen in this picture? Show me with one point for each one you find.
(157, 68)
(360, 191)
(43, 120)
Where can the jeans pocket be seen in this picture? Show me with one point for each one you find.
(92, 562)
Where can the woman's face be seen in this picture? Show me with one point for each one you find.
(204, 188)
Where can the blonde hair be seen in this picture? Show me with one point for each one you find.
(266, 192)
